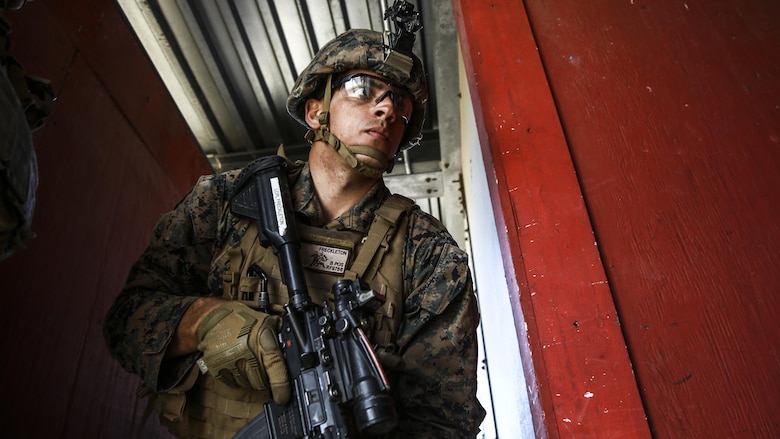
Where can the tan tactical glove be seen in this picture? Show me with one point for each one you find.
(239, 348)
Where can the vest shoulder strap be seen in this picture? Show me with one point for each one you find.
(381, 232)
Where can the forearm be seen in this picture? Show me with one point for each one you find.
(138, 329)
(185, 339)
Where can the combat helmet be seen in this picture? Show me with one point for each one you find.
(360, 49)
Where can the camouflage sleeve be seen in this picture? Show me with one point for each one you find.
(166, 279)
(436, 391)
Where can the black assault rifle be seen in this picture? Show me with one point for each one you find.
(339, 389)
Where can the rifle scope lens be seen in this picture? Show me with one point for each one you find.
(373, 409)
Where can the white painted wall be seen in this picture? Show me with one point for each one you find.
(502, 386)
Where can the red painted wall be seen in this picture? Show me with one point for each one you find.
(668, 112)
(112, 156)
(581, 383)
(671, 111)
(671, 115)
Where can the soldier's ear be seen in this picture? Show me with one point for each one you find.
(313, 110)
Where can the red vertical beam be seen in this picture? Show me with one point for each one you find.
(672, 114)
(582, 383)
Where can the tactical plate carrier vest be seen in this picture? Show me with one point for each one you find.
(204, 407)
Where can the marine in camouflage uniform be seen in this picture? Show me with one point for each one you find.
(434, 389)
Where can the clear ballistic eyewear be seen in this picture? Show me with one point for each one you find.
(368, 88)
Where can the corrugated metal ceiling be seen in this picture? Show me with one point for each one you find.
(230, 64)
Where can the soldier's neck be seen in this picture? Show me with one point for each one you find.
(338, 187)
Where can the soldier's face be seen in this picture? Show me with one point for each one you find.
(367, 110)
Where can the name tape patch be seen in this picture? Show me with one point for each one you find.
(323, 258)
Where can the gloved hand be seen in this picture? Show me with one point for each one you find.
(239, 348)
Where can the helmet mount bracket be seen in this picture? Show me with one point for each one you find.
(398, 44)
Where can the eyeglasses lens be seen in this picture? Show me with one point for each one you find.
(367, 88)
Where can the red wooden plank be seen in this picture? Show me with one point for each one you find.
(671, 112)
(584, 385)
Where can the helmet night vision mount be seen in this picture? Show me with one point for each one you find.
(398, 43)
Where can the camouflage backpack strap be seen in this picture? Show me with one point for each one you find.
(24, 102)
(380, 233)
(35, 94)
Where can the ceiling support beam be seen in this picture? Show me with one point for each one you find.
(443, 45)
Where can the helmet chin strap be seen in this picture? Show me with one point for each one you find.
(347, 152)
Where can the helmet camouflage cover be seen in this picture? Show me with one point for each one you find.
(360, 49)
